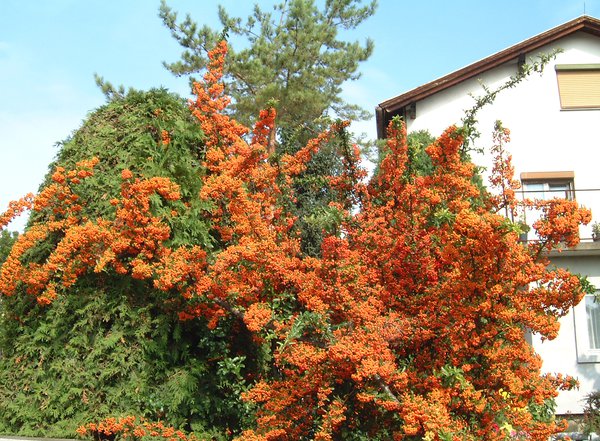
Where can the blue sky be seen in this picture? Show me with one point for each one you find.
(50, 49)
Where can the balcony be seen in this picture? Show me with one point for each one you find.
(588, 198)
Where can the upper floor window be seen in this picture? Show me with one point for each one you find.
(548, 185)
(578, 86)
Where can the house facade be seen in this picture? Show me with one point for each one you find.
(554, 120)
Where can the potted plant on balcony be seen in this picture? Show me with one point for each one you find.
(596, 231)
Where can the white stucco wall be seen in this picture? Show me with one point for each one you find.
(544, 138)
(560, 355)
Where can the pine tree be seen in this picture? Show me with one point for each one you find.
(292, 58)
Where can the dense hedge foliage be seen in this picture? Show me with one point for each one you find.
(116, 345)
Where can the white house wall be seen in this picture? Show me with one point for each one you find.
(544, 139)
(560, 354)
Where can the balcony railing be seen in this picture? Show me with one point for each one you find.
(586, 197)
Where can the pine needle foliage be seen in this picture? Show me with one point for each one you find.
(292, 58)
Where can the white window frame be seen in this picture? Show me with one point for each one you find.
(585, 354)
(545, 192)
(543, 181)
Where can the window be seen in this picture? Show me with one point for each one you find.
(578, 86)
(587, 329)
(592, 313)
(545, 186)
(548, 185)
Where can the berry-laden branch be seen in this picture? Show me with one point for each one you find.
(408, 325)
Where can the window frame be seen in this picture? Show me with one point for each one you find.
(547, 179)
(585, 354)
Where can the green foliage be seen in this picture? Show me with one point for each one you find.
(419, 161)
(586, 286)
(543, 412)
(110, 91)
(591, 412)
(126, 133)
(115, 345)
(292, 59)
(312, 189)
(292, 56)
(7, 239)
(109, 350)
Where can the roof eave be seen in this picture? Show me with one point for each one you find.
(584, 23)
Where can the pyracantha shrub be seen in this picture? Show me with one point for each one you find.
(409, 325)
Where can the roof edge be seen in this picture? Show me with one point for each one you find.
(583, 23)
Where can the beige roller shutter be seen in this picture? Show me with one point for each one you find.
(579, 86)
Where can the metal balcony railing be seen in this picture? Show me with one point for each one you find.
(585, 197)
